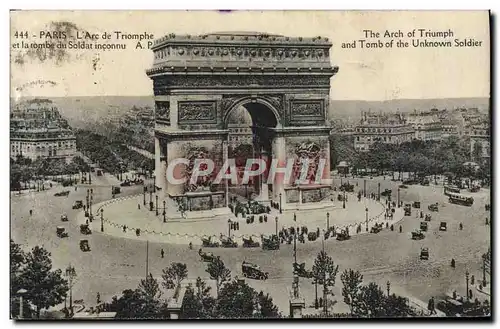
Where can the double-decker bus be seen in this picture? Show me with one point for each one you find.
(457, 198)
(449, 189)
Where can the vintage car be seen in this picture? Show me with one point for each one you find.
(228, 243)
(61, 232)
(253, 271)
(270, 243)
(300, 270)
(474, 189)
(347, 187)
(425, 182)
(403, 186)
(424, 253)
(407, 209)
(64, 218)
(116, 190)
(84, 245)
(312, 236)
(442, 226)
(416, 204)
(424, 226)
(62, 193)
(84, 229)
(376, 228)
(206, 256)
(126, 183)
(343, 235)
(250, 243)
(434, 207)
(386, 192)
(208, 243)
(417, 235)
(78, 204)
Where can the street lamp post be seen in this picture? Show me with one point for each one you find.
(366, 211)
(364, 188)
(343, 200)
(388, 288)
(157, 205)
(229, 225)
(102, 220)
(164, 211)
(323, 241)
(378, 196)
(144, 194)
(21, 292)
(399, 203)
(70, 273)
(276, 220)
(467, 283)
(281, 211)
(151, 199)
(90, 204)
(316, 293)
(327, 221)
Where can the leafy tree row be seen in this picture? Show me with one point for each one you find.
(32, 271)
(421, 158)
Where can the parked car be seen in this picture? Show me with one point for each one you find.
(424, 253)
(443, 226)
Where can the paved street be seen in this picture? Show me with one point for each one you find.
(115, 264)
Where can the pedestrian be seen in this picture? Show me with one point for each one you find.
(472, 280)
(487, 222)
(87, 221)
(162, 253)
(470, 293)
(31, 212)
(453, 262)
(139, 206)
(461, 226)
(98, 298)
(76, 188)
(454, 294)
(124, 228)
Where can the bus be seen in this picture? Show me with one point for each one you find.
(451, 189)
(457, 198)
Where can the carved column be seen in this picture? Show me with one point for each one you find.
(224, 158)
(279, 154)
(263, 187)
(160, 166)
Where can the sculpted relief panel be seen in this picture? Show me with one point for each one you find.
(307, 112)
(162, 111)
(194, 112)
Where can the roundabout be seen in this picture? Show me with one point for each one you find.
(126, 218)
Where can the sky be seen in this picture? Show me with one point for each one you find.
(364, 74)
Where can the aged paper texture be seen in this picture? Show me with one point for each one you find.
(250, 164)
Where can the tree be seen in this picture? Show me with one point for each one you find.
(238, 300)
(371, 301)
(44, 287)
(218, 272)
(149, 292)
(351, 281)
(17, 260)
(397, 306)
(266, 308)
(325, 272)
(174, 274)
(197, 302)
(141, 303)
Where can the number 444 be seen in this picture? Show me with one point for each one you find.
(21, 34)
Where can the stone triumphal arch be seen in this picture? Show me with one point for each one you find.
(284, 84)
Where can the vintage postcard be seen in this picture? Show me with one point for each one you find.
(250, 164)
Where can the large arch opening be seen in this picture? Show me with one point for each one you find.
(250, 136)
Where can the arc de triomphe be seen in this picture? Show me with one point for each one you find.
(283, 82)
